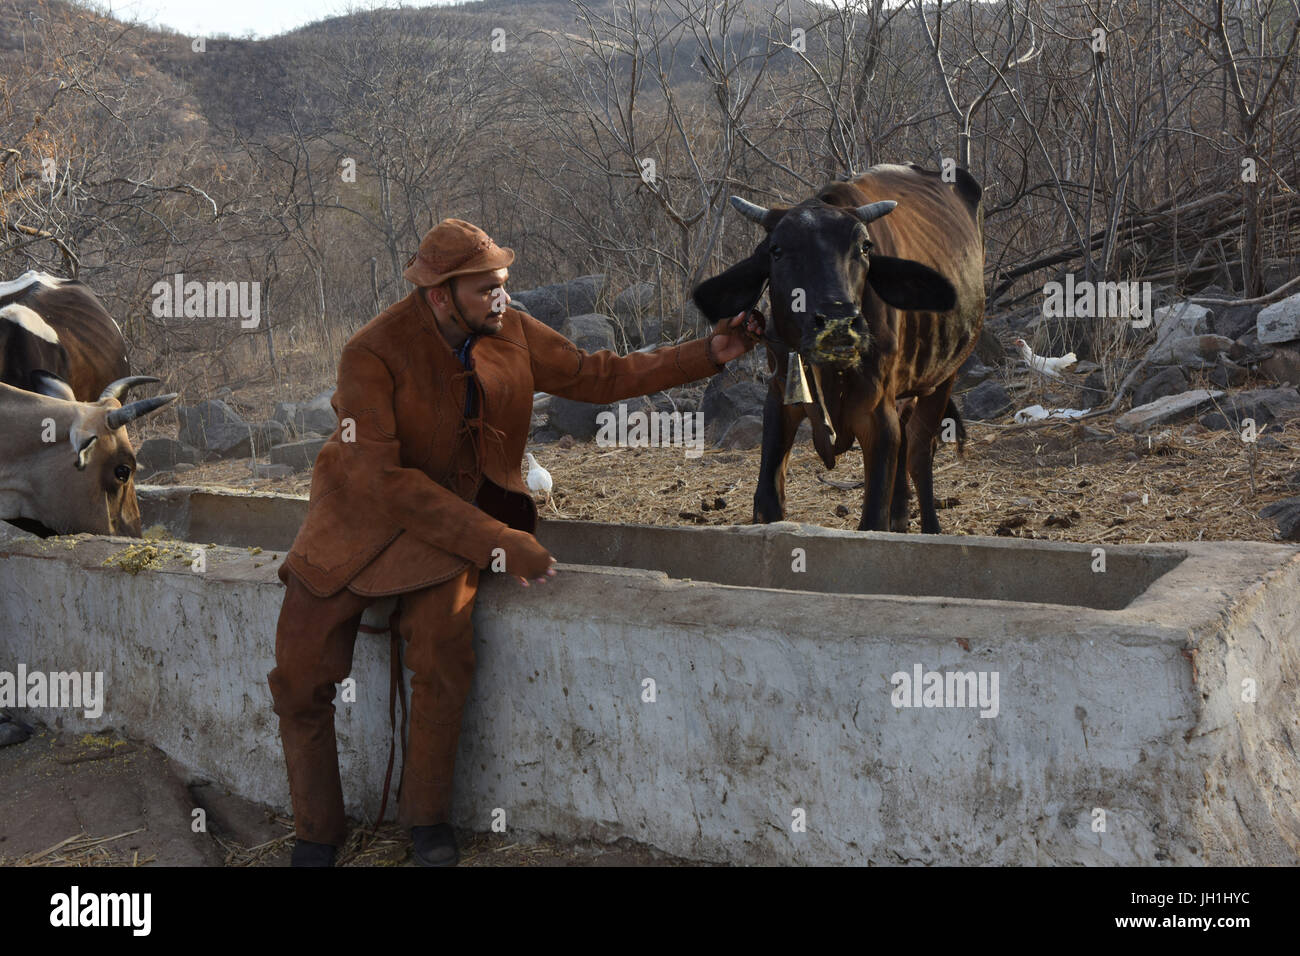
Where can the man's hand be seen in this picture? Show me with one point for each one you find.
(730, 340)
(525, 556)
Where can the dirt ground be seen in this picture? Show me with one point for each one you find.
(101, 800)
(1061, 481)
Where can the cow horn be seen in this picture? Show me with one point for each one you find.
(118, 389)
(129, 413)
(749, 210)
(874, 210)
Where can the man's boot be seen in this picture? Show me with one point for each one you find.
(435, 845)
(306, 853)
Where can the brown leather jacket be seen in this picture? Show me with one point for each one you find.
(392, 503)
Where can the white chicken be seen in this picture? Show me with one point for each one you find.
(1042, 363)
(539, 480)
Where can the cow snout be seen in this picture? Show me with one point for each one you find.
(836, 336)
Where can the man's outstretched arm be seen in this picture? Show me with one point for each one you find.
(561, 368)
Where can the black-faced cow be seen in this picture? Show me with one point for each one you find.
(68, 466)
(877, 295)
(60, 326)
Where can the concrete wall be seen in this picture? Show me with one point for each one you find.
(772, 689)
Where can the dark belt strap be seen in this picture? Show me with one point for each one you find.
(396, 690)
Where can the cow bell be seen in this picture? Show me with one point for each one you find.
(796, 382)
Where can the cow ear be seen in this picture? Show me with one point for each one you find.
(84, 450)
(735, 290)
(47, 383)
(910, 286)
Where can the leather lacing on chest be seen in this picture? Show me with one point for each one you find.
(477, 432)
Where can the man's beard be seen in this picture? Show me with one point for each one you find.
(479, 328)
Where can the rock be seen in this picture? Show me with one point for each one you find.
(650, 332)
(661, 402)
(1163, 411)
(576, 419)
(316, 415)
(689, 319)
(989, 348)
(272, 471)
(270, 433)
(544, 436)
(635, 300)
(297, 455)
(183, 466)
(591, 332)
(162, 454)
(636, 311)
(745, 432)
(1226, 372)
(243, 441)
(198, 421)
(1248, 351)
(972, 372)
(1234, 321)
(1287, 515)
(12, 731)
(1179, 320)
(1093, 390)
(751, 366)
(217, 431)
(1170, 380)
(726, 400)
(553, 304)
(1191, 351)
(1264, 405)
(985, 401)
(1283, 365)
(1279, 322)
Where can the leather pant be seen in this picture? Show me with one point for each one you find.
(313, 652)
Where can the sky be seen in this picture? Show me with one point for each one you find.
(238, 18)
(261, 18)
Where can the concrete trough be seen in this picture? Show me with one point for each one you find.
(745, 694)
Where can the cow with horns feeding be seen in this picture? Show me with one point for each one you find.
(876, 291)
(67, 466)
(63, 373)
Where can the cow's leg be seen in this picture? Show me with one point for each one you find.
(879, 435)
(780, 423)
(927, 423)
(898, 508)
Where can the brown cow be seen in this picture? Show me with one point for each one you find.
(877, 295)
(60, 326)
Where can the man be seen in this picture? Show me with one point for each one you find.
(417, 490)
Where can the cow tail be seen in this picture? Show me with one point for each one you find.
(955, 415)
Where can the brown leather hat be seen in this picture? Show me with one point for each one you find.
(455, 247)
